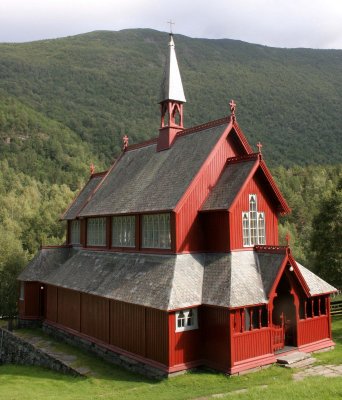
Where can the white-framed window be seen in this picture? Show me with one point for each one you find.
(75, 232)
(123, 231)
(96, 232)
(253, 224)
(156, 231)
(22, 291)
(186, 320)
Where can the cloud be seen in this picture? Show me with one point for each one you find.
(294, 23)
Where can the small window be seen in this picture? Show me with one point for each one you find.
(75, 232)
(253, 224)
(123, 231)
(22, 291)
(186, 320)
(261, 228)
(247, 319)
(96, 232)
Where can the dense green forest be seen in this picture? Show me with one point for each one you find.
(66, 103)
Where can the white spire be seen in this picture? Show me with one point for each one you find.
(172, 88)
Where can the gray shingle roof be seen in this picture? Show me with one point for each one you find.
(82, 197)
(166, 282)
(146, 180)
(315, 283)
(228, 186)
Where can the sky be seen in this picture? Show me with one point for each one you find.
(277, 23)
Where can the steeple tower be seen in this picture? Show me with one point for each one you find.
(171, 102)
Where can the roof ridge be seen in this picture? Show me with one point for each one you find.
(271, 249)
(206, 125)
(142, 144)
(96, 174)
(241, 158)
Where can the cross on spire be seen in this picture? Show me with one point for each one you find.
(92, 169)
(259, 146)
(171, 23)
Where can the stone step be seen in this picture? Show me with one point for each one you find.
(300, 364)
(292, 358)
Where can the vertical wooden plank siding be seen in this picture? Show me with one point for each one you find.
(252, 344)
(313, 329)
(127, 327)
(188, 226)
(184, 346)
(51, 303)
(215, 231)
(264, 205)
(31, 302)
(215, 337)
(69, 308)
(157, 335)
(95, 317)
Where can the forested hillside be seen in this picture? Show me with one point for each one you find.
(66, 103)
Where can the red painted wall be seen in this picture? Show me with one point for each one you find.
(188, 227)
(215, 337)
(95, 317)
(68, 308)
(30, 306)
(313, 329)
(264, 204)
(215, 228)
(184, 347)
(136, 329)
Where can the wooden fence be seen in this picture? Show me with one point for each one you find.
(336, 308)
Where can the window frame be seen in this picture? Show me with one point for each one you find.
(156, 229)
(251, 225)
(98, 233)
(22, 291)
(184, 314)
(126, 221)
(73, 223)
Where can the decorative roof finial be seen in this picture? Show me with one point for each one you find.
(125, 142)
(259, 146)
(171, 23)
(92, 169)
(232, 105)
(287, 238)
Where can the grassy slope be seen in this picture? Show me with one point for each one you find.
(26, 383)
(105, 84)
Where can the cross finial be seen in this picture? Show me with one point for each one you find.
(287, 238)
(125, 142)
(171, 23)
(259, 146)
(92, 169)
(232, 105)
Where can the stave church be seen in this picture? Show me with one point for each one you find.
(172, 259)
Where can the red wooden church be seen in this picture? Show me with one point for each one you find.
(172, 257)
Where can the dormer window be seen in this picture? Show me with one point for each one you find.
(123, 231)
(253, 224)
(186, 320)
(156, 231)
(96, 232)
(75, 232)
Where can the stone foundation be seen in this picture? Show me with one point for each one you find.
(105, 353)
(14, 350)
(29, 323)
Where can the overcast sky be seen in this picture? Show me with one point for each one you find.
(279, 23)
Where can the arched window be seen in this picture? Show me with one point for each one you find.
(253, 224)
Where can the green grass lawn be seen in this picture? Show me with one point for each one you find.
(110, 382)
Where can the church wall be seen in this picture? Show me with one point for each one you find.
(68, 308)
(136, 329)
(264, 204)
(215, 227)
(30, 306)
(188, 226)
(215, 327)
